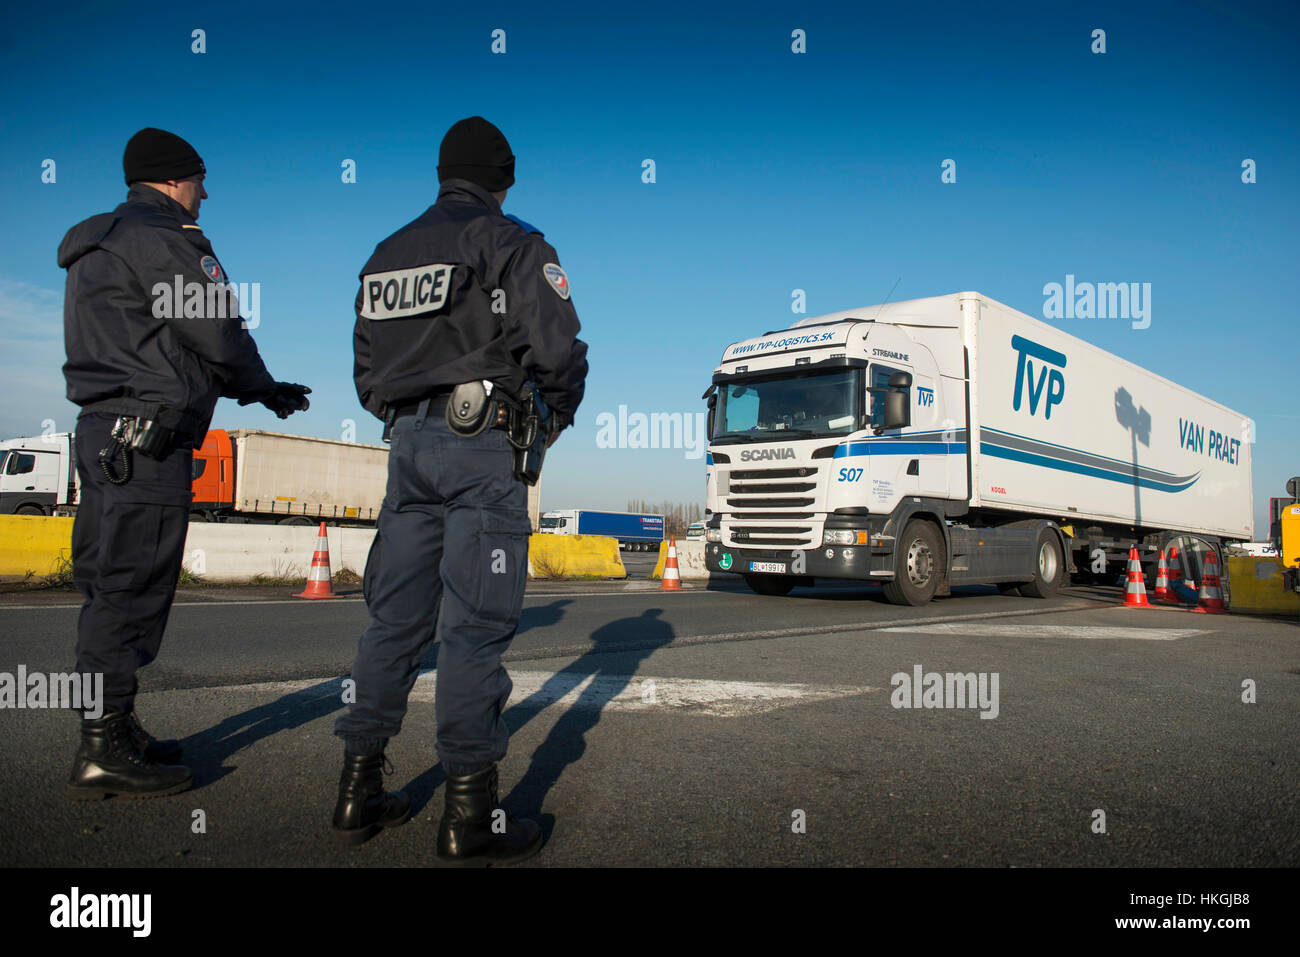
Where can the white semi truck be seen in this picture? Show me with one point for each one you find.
(953, 440)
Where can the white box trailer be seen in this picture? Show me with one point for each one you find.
(295, 475)
(288, 478)
(954, 440)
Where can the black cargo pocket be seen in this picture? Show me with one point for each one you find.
(372, 558)
(503, 564)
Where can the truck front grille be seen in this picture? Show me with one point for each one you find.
(739, 489)
(762, 503)
(737, 504)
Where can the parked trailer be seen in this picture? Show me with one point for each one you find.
(245, 475)
(635, 531)
(254, 475)
(953, 440)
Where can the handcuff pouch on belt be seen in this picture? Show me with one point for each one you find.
(131, 433)
(478, 405)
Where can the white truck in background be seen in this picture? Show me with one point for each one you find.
(953, 440)
(38, 474)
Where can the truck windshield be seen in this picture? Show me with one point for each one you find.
(801, 405)
(552, 522)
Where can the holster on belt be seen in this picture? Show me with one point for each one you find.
(132, 434)
(478, 405)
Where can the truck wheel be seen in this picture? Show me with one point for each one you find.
(297, 520)
(918, 565)
(770, 584)
(29, 510)
(1050, 569)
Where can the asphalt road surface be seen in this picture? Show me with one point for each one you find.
(711, 727)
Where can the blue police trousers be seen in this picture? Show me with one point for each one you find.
(452, 537)
(128, 542)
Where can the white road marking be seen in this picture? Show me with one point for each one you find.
(1052, 631)
(611, 693)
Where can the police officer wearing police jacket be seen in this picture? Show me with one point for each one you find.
(466, 346)
(153, 338)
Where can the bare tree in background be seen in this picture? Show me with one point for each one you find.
(678, 516)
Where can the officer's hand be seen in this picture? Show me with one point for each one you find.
(288, 398)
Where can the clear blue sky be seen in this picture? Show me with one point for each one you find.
(775, 171)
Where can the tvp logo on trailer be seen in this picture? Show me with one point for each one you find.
(924, 397)
(1037, 381)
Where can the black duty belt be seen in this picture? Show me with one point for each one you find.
(437, 406)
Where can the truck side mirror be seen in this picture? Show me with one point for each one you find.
(898, 407)
(713, 408)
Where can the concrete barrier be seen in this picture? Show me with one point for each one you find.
(574, 556)
(230, 553)
(690, 560)
(1256, 587)
(33, 544)
(237, 553)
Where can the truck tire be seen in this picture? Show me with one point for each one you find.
(297, 520)
(29, 510)
(918, 565)
(776, 585)
(1049, 568)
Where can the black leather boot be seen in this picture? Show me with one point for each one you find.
(159, 751)
(471, 834)
(109, 763)
(364, 808)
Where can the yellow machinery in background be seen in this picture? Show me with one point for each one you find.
(1290, 534)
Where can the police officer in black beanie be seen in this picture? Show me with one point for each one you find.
(463, 299)
(147, 373)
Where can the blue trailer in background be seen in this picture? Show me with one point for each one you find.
(635, 531)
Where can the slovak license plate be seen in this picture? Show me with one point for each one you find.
(777, 567)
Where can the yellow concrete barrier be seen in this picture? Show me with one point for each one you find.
(31, 543)
(690, 560)
(1256, 587)
(574, 556)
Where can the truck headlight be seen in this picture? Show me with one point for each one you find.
(844, 536)
(713, 534)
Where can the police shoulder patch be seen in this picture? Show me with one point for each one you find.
(211, 268)
(558, 280)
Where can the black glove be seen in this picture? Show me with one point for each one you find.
(288, 398)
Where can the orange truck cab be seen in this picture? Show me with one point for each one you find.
(214, 473)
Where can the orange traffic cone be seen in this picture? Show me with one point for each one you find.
(318, 582)
(1135, 592)
(1173, 575)
(1211, 597)
(672, 577)
(1163, 594)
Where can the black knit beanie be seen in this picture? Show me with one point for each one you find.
(475, 150)
(154, 156)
